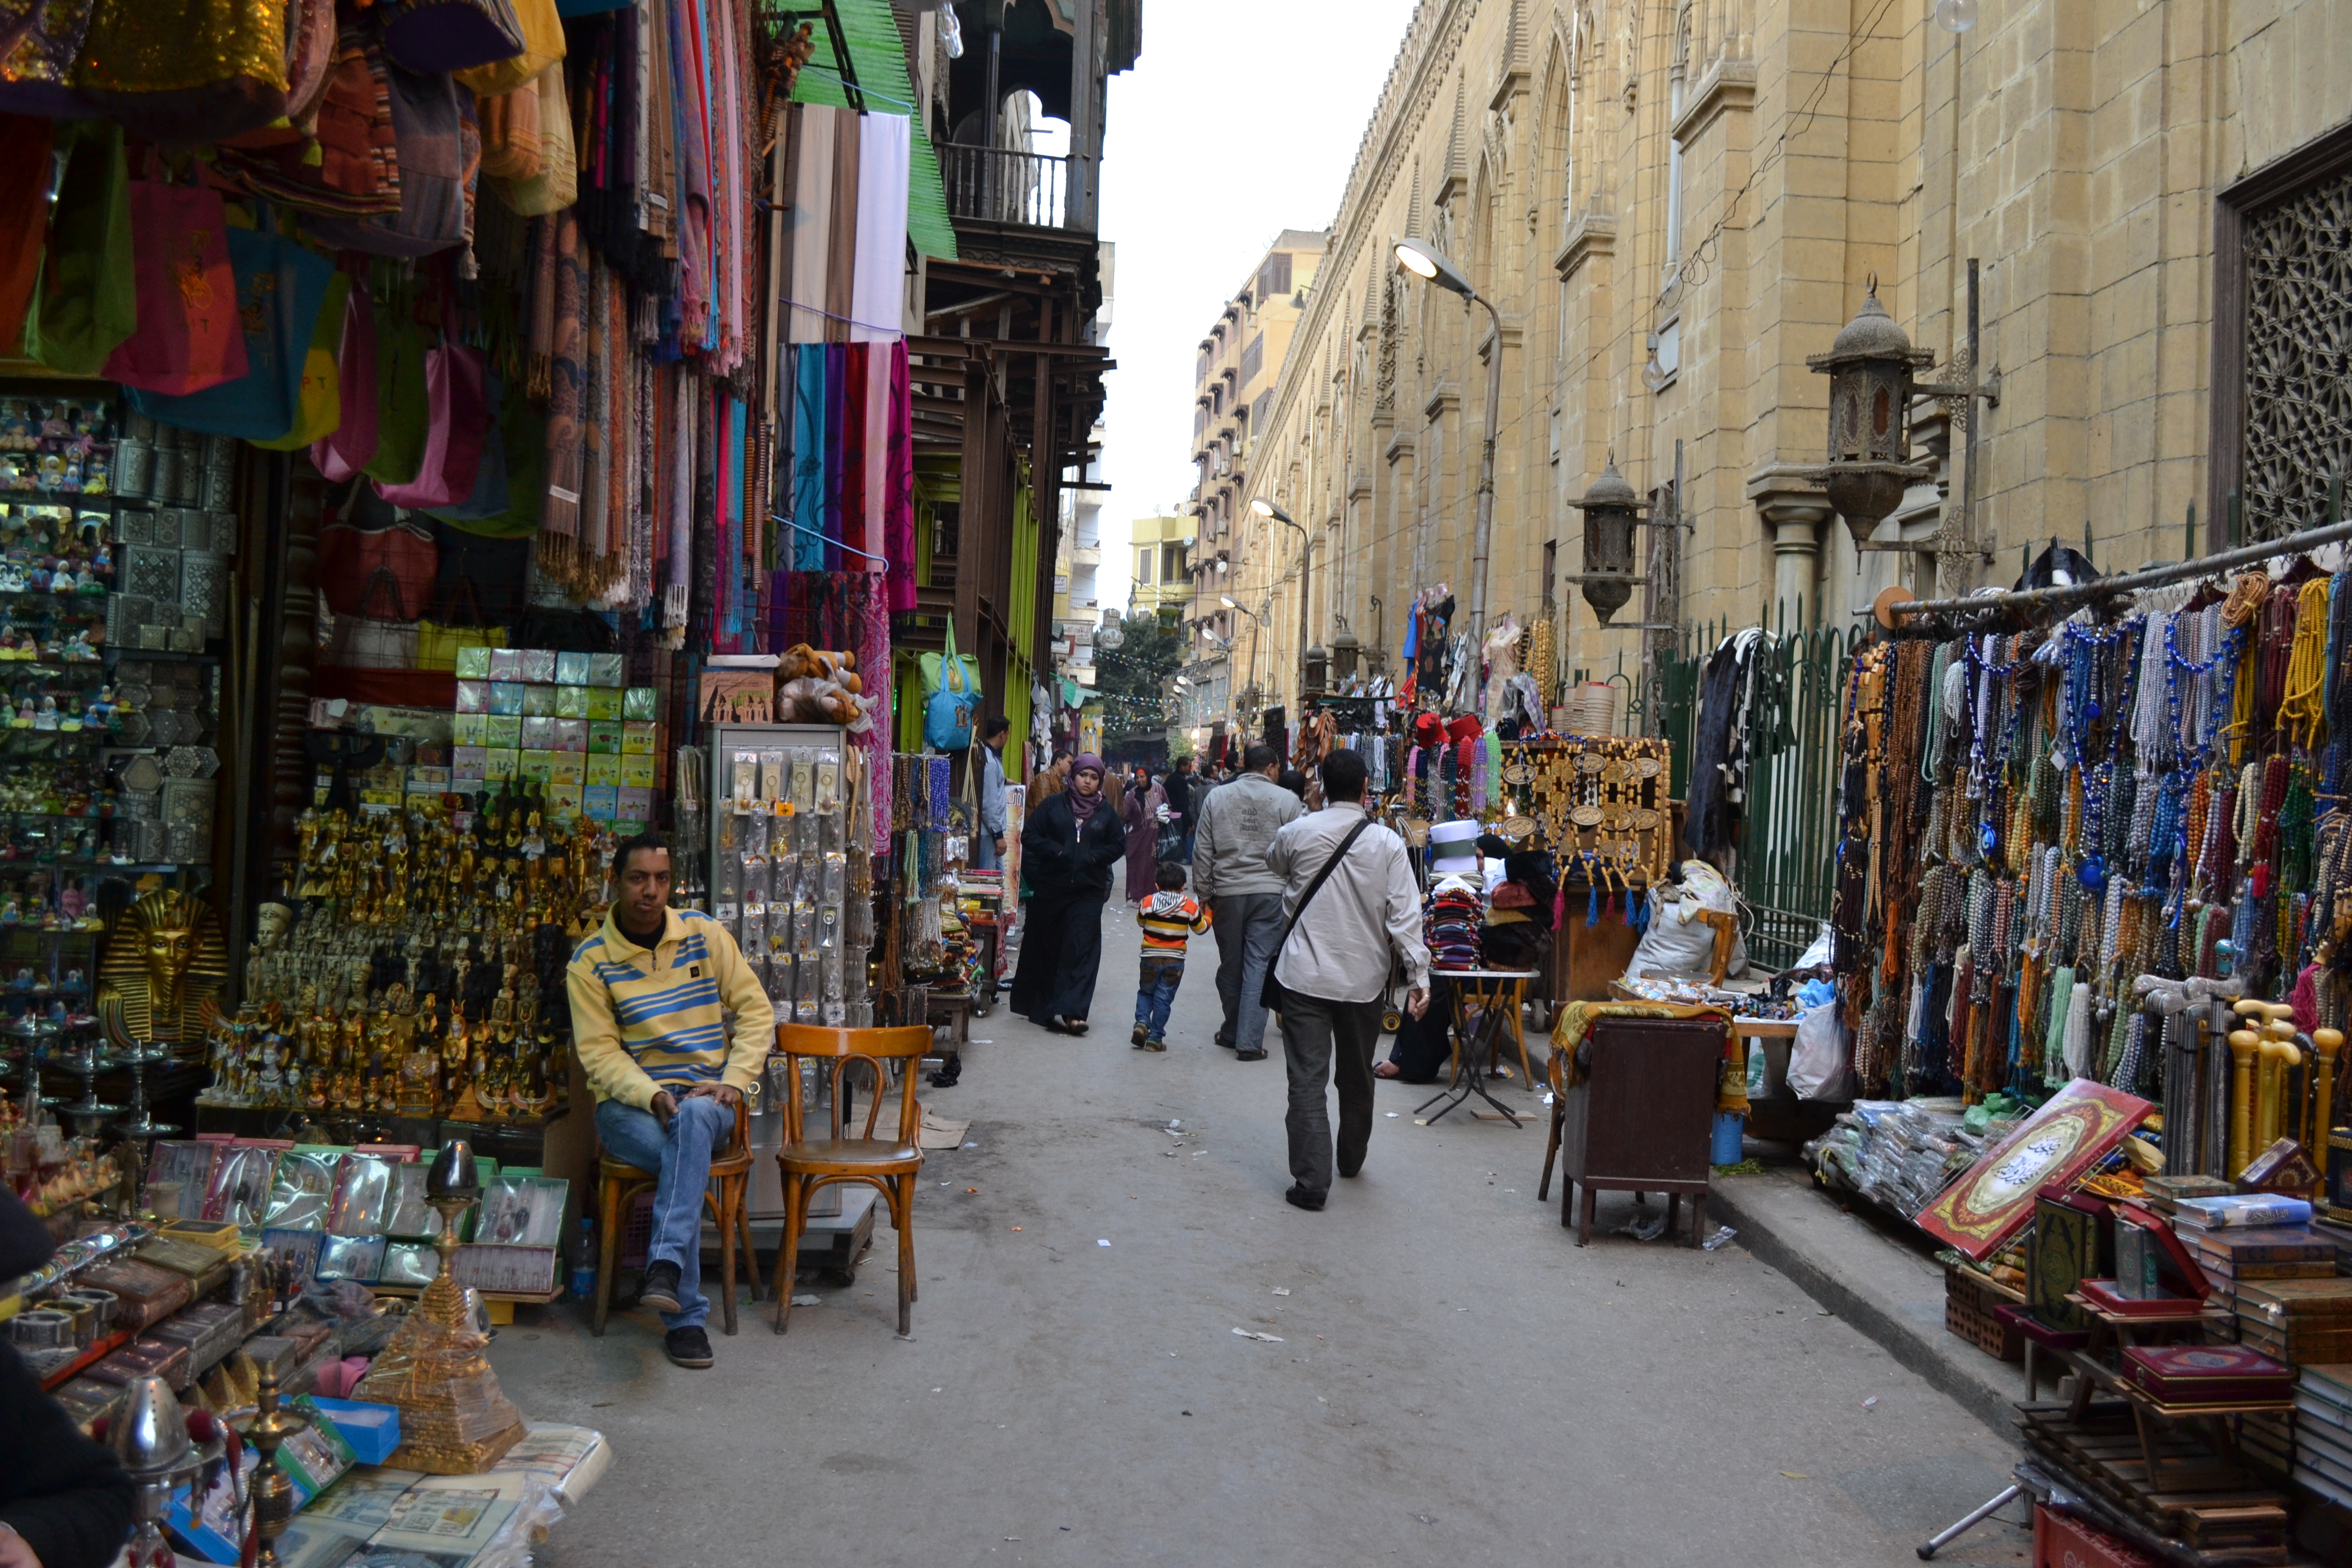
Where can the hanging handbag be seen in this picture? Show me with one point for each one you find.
(455, 417)
(951, 697)
(451, 35)
(186, 71)
(352, 445)
(346, 159)
(86, 300)
(429, 129)
(187, 338)
(378, 634)
(511, 134)
(319, 407)
(351, 556)
(281, 284)
(542, 45)
(37, 69)
(1270, 993)
(402, 407)
(437, 641)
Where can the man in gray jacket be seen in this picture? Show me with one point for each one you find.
(1230, 875)
(1334, 968)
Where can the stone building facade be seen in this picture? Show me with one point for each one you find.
(1672, 203)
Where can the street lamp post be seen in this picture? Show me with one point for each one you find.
(1426, 262)
(1265, 507)
(1233, 692)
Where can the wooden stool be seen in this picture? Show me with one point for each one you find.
(618, 1183)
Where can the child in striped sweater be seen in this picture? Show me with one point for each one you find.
(1170, 918)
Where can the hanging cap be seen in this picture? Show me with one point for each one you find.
(1452, 843)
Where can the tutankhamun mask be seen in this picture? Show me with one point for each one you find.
(165, 960)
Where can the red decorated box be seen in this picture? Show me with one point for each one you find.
(2207, 1375)
(2060, 1542)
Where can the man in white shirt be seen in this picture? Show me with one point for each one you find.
(1334, 970)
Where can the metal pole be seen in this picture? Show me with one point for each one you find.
(1484, 534)
(1305, 566)
(2073, 594)
(1964, 576)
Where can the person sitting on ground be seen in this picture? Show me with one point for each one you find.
(1170, 918)
(650, 992)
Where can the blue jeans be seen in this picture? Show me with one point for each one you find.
(1249, 931)
(680, 1155)
(984, 856)
(1155, 993)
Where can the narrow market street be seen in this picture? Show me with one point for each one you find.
(1452, 1379)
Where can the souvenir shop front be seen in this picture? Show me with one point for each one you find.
(2089, 955)
(395, 442)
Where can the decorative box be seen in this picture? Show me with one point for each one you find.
(2207, 1375)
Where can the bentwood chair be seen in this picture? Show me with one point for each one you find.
(618, 1183)
(887, 1163)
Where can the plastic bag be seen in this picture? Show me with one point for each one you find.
(1819, 1064)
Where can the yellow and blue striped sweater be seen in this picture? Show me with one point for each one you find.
(644, 1020)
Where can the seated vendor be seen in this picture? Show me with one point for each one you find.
(650, 993)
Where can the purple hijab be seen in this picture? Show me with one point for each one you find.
(1083, 807)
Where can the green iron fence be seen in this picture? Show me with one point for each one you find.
(1788, 833)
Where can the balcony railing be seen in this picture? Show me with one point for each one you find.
(993, 185)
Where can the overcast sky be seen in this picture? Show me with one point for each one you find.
(1240, 120)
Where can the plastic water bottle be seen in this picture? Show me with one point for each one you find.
(584, 1271)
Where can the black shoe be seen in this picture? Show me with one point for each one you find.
(688, 1347)
(1140, 1036)
(1249, 1056)
(1353, 1170)
(1226, 1041)
(1074, 1026)
(659, 1292)
(1057, 1024)
(1300, 1198)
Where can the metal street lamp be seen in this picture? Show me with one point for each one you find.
(1426, 262)
(1265, 507)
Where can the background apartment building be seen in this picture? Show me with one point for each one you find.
(1673, 206)
(1240, 366)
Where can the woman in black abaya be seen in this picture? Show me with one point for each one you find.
(1068, 846)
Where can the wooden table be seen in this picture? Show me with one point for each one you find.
(1499, 993)
(2115, 1332)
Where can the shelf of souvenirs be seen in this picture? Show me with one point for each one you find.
(114, 1239)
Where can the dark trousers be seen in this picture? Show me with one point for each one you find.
(1248, 927)
(1326, 1042)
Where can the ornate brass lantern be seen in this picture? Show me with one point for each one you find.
(1870, 367)
(1346, 650)
(1610, 512)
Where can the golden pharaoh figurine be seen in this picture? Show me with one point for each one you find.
(165, 960)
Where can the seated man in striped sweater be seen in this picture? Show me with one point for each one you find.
(649, 995)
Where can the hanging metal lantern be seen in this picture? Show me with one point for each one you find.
(1870, 367)
(1610, 512)
(1319, 667)
(1346, 651)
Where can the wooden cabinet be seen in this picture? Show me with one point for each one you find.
(1640, 1121)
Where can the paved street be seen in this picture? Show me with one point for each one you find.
(1455, 1380)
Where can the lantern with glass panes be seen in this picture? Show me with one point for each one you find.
(1871, 366)
(1611, 511)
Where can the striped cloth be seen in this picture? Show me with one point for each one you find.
(1169, 919)
(647, 1020)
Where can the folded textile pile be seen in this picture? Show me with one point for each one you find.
(1450, 918)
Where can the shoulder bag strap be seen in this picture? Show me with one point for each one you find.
(1316, 885)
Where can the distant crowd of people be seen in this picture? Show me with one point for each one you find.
(1313, 913)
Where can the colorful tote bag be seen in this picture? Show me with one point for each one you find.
(322, 406)
(455, 417)
(88, 299)
(280, 285)
(187, 338)
(351, 446)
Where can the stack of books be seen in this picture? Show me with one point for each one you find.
(2241, 1211)
(2302, 1322)
(2231, 1257)
(2323, 1432)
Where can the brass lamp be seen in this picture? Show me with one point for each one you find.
(150, 1439)
(273, 1494)
(1346, 651)
(1611, 510)
(1870, 365)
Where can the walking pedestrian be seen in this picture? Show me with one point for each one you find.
(1230, 875)
(1350, 893)
(988, 838)
(1171, 917)
(1182, 814)
(1067, 848)
(1140, 811)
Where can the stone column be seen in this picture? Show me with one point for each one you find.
(1793, 513)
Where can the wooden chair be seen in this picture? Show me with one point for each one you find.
(618, 1183)
(888, 1163)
